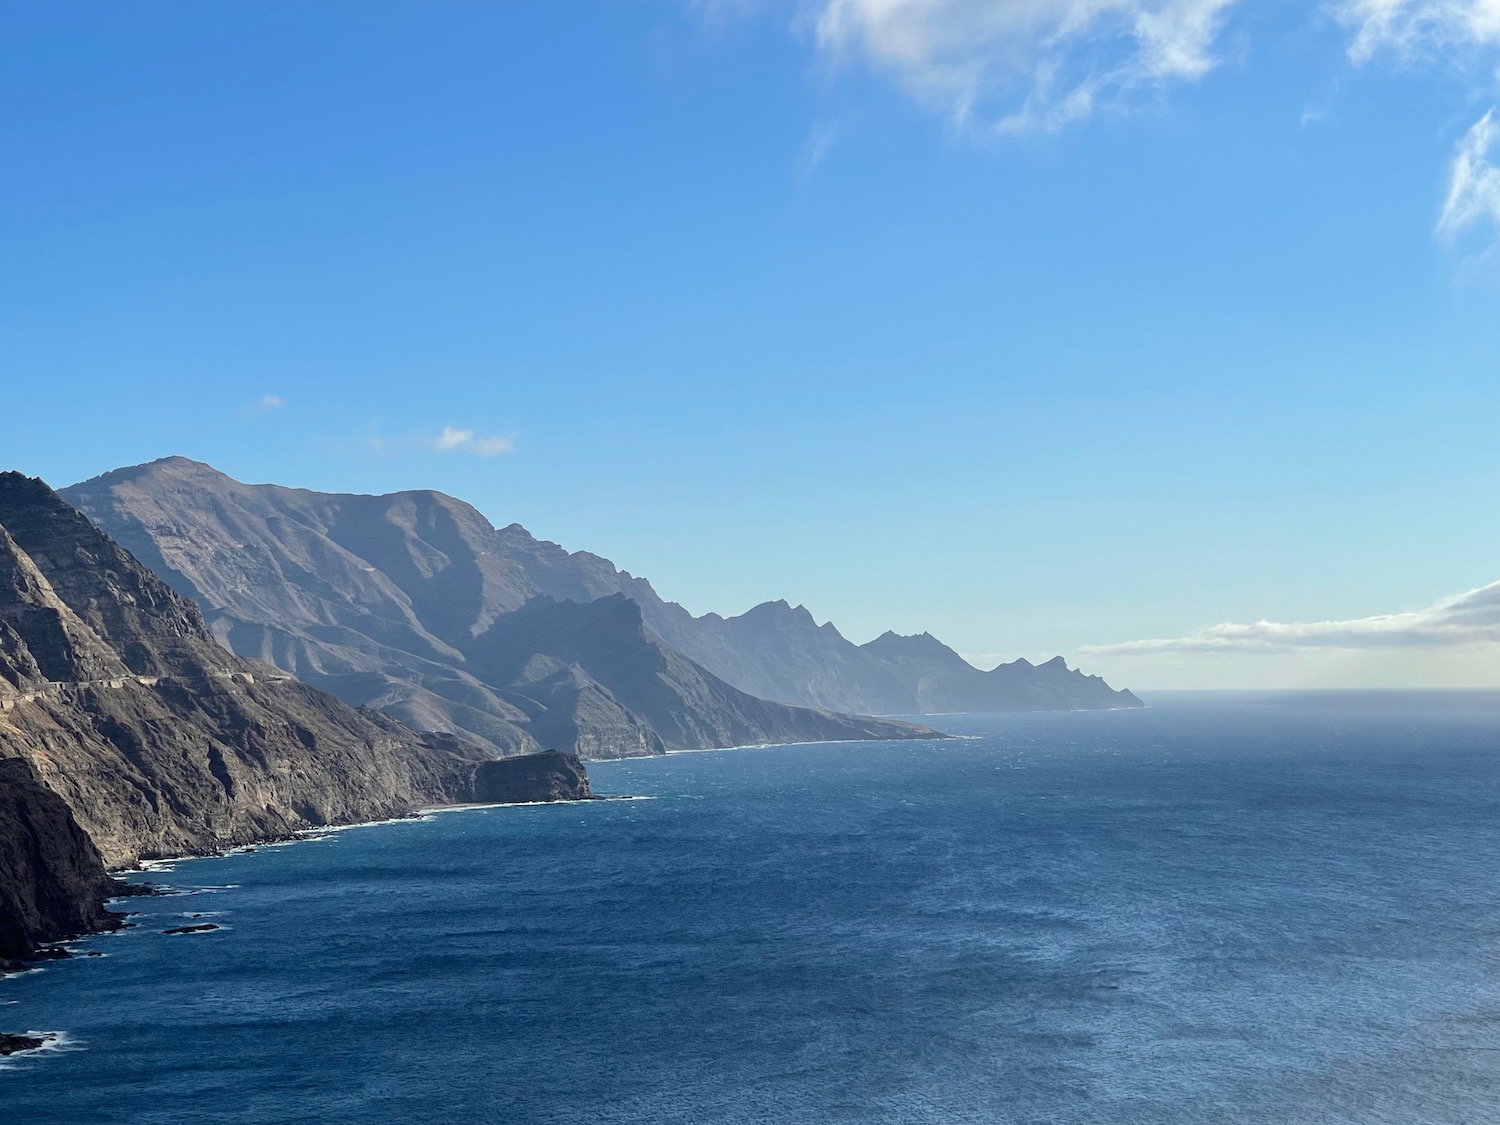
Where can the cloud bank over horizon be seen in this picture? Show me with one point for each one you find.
(1466, 621)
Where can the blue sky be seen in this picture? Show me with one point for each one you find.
(1044, 326)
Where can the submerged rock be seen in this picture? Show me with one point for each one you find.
(201, 928)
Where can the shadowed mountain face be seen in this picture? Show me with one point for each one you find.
(52, 879)
(380, 598)
(685, 705)
(415, 605)
(158, 740)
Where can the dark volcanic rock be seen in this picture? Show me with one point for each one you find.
(159, 740)
(52, 879)
(13, 1044)
(200, 928)
(548, 776)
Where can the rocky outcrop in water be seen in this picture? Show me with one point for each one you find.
(528, 778)
(14, 1044)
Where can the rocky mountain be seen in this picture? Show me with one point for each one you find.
(159, 740)
(780, 652)
(52, 879)
(413, 604)
(684, 705)
(370, 596)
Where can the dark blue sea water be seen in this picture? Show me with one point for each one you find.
(1215, 910)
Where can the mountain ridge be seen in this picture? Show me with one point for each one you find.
(159, 740)
(378, 599)
(260, 556)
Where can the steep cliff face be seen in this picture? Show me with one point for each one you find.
(159, 741)
(548, 776)
(52, 879)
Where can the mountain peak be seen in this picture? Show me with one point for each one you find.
(174, 467)
(780, 609)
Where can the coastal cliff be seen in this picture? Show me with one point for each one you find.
(158, 740)
(52, 879)
(527, 778)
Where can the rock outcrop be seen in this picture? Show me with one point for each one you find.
(528, 778)
(52, 879)
(14, 1044)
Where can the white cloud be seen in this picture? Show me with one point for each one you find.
(1474, 181)
(816, 148)
(261, 406)
(453, 440)
(1025, 64)
(1466, 621)
(1415, 28)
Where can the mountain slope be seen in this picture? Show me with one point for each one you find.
(380, 599)
(376, 598)
(159, 740)
(685, 705)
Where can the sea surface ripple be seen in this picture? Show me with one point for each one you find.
(1217, 910)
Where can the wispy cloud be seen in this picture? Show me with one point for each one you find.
(1474, 180)
(816, 148)
(261, 405)
(455, 440)
(1412, 29)
(1465, 621)
(451, 439)
(1027, 64)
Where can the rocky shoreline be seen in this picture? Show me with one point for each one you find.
(54, 886)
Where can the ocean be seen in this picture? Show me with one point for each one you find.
(1220, 909)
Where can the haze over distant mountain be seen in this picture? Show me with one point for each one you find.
(779, 651)
(380, 598)
(415, 605)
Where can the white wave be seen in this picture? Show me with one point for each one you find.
(328, 829)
